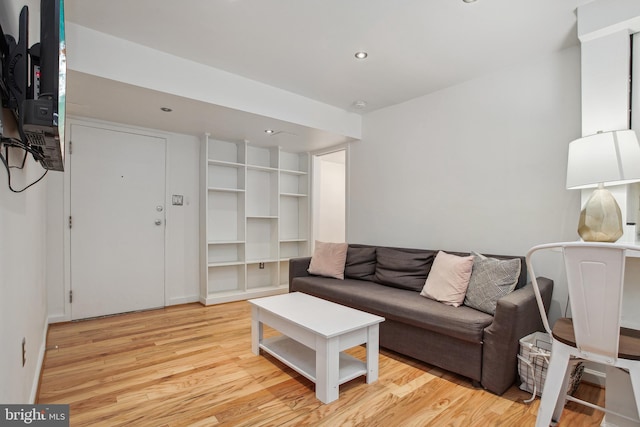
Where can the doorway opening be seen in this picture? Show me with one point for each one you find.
(329, 196)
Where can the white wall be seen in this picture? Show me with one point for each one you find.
(182, 235)
(478, 166)
(23, 310)
(182, 226)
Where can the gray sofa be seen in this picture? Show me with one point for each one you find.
(463, 340)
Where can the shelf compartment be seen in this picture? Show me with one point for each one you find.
(225, 253)
(293, 249)
(293, 184)
(293, 218)
(294, 163)
(225, 278)
(262, 193)
(225, 216)
(263, 157)
(284, 273)
(262, 239)
(225, 176)
(226, 152)
(303, 359)
(264, 277)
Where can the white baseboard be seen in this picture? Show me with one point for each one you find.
(183, 300)
(36, 378)
(595, 377)
(58, 318)
(223, 297)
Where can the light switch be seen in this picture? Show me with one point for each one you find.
(177, 200)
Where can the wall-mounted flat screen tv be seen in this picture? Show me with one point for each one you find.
(34, 83)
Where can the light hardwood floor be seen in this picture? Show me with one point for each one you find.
(191, 365)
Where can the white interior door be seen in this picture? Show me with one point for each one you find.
(118, 221)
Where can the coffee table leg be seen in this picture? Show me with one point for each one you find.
(327, 369)
(256, 330)
(372, 353)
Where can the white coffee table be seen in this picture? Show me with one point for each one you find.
(315, 332)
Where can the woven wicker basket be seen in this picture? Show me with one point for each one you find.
(533, 361)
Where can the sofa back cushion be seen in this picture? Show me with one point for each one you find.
(361, 263)
(405, 269)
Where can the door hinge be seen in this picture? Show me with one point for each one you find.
(70, 221)
(70, 147)
(70, 297)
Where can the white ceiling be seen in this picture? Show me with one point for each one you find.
(307, 47)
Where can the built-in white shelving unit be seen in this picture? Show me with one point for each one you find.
(254, 218)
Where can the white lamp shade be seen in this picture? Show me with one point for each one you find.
(610, 158)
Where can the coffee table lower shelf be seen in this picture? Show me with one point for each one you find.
(303, 359)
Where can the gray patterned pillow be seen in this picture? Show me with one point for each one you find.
(491, 279)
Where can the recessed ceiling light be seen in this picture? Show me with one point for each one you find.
(360, 104)
(361, 55)
(166, 109)
(269, 131)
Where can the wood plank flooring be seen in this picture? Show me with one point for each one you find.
(191, 365)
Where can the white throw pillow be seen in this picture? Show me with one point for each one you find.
(329, 259)
(448, 279)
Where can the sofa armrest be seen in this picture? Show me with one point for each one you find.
(298, 268)
(517, 315)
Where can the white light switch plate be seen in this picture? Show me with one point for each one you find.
(177, 200)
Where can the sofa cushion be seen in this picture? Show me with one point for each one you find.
(361, 263)
(403, 269)
(448, 279)
(401, 305)
(328, 259)
(491, 279)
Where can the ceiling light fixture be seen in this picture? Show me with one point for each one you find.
(360, 104)
(361, 55)
(166, 109)
(269, 131)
